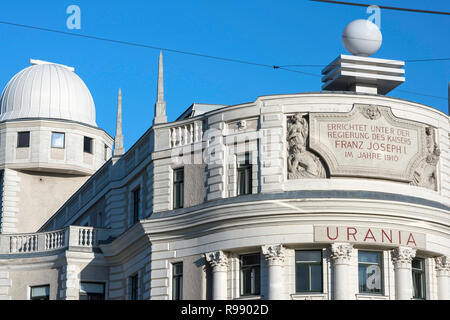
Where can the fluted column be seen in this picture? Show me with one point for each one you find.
(219, 263)
(401, 258)
(275, 256)
(443, 277)
(340, 255)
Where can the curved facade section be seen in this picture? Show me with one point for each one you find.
(47, 91)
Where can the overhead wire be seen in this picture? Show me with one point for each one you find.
(201, 55)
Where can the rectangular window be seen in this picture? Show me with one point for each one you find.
(87, 145)
(136, 205)
(244, 176)
(369, 272)
(58, 140)
(178, 188)
(418, 278)
(250, 274)
(40, 293)
(92, 291)
(308, 271)
(177, 281)
(134, 287)
(23, 139)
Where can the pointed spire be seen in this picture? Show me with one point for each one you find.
(118, 139)
(160, 106)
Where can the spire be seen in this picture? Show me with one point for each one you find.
(160, 106)
(118, 139)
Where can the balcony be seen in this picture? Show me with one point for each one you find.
(72, 237)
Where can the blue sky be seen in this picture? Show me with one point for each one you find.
(267, 32)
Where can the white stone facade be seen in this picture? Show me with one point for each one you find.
(395, 218)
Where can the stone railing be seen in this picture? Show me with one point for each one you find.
(72, 237)
(186, 134)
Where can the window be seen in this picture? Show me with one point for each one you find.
(100, 220)
(178, 188)
(40, 293)
(136, 205)
(134, 287)
(244, 176)
(87, 145)
(23, 139)
(250, 274)
(308, 271)
(92, 291)
(369, 272)
(418, 277)
(177, 281)
(58, 140)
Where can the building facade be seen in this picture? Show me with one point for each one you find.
(338, 194)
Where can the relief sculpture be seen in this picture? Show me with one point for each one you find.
(301, 162)
(425, 175)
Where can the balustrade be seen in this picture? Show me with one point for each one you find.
(185, 134)
(23, 243)
(73, 237)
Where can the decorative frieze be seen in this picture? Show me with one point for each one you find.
(218, 261)
(274, 254)
(402, 257)
(341, 253)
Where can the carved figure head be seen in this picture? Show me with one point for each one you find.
(373, 112)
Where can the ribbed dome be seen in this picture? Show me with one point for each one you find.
(47, 91)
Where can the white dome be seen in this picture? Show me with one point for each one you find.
(362, 38)
(47, 91)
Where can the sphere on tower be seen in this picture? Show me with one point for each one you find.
(362, 38)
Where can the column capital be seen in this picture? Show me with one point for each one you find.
(442, 263)
(218, 260)
(341, 252)
(275, 254)
(402, 257)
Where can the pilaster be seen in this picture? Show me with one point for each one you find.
(70, 282)
(272, 148)
(442, 265)
(9, 202)
(215, 157)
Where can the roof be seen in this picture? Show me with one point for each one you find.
(47, 90)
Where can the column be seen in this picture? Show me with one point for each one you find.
(341, 254)
(443, 277)
(401, 258)
(275, 256)
(219, 263)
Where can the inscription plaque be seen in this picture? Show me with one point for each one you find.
(369, 141)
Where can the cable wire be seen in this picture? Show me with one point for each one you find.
(382, 7)
(284, 67)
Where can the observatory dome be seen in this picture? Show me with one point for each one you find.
(47, 90)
